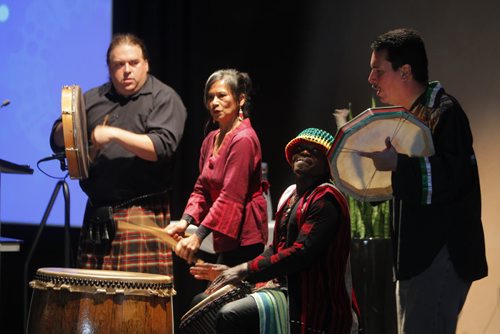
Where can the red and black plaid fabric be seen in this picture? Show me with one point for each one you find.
(132, 251)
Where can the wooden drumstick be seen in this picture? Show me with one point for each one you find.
(93, 151)
(156, 231)
(105, 122)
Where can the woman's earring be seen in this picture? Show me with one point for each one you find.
(240, 114)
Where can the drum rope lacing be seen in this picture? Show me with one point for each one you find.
(102, 285)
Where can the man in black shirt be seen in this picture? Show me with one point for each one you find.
(437, 234)
(135, 123)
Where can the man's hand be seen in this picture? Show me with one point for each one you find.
(102, 135)
(386, 160)
(139, 144)
(207, 271)
(58, 135)
(232, 275)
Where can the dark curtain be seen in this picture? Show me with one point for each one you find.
(188, 40)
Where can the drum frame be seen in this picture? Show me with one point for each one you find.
(344, 174)
(74, 123)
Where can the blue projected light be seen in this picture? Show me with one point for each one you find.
(44, 46)
(4, 13)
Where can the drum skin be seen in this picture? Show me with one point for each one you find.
(84, 301)
(355, 175)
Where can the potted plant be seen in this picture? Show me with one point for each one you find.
(371, 256)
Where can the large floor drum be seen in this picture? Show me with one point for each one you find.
(100, 301)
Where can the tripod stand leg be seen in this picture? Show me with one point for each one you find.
(67, 228)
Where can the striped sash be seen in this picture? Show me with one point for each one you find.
(273, 311)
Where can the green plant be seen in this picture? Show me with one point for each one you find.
(368, 220)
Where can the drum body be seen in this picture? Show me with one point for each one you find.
(356, 175)
(74, 123)
(100, 301)
(201, 318)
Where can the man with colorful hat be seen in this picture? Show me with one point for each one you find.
(308, 261)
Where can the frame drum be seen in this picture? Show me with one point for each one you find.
(74, 123)
(100, 301)
(355, 175)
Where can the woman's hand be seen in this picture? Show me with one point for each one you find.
(176, 230)
(186, 248)
(207, 271)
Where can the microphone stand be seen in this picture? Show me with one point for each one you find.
(61, 184)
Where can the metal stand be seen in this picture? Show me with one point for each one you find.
(64, 185)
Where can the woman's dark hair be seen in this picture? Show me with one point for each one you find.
(131, 39)
(238, 82)
(404, 46)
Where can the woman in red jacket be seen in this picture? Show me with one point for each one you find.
(227, 199)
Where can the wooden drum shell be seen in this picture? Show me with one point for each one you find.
(105, 307)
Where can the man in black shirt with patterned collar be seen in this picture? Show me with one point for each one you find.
(437, 234)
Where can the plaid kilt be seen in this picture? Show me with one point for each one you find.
(130, 250)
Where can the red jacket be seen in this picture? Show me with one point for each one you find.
(227, 197)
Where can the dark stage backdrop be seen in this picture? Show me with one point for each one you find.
(188, 40)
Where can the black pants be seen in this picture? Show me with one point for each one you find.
(239, 316)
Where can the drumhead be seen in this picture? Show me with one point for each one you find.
(103, 281)
(356, 175)
(209, 306)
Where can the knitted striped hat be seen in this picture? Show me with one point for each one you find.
(322, 139)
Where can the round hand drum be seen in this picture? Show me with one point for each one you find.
(99, 301)
(74, 122)
(355, 175)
